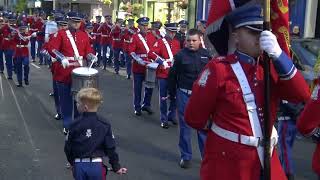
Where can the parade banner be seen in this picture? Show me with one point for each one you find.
(280, 23)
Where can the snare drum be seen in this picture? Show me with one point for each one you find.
(83, 77)
(150, 77)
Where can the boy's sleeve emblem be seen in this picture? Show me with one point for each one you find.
(204, 77)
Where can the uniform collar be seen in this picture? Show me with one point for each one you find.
(89, 113)
(244, 58)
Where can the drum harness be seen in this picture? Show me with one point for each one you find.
(75, 49)
(257, 139)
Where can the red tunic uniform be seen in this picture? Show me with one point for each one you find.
(55, 64)
(92, 39)
(116, 37)
(160, 49)
(308, 124)
(38, 27)
(105, 30)
(96, 34)
(62, 44)
(7, 43)
(21, 48)
(127, 38)
(138, 47)
(217, 95)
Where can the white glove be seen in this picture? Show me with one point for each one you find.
(65, 63)
(141, 62)
(165, 64)
(269, 44)
(34, 34)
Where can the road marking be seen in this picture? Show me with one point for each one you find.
(35, 65)
(2, 93)
(24, 122)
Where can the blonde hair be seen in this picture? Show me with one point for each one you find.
(90, 97)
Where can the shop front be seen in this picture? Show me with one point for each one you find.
(166, 11)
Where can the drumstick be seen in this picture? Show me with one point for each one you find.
(91, 65)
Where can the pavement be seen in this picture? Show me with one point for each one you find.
(32, 140)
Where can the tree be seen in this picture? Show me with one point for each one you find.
(21, 5)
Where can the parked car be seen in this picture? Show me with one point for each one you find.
(305, 54)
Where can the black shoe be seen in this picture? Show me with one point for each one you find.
(1, 72)
(57, 116)
(147, 109)
(33, 60)
(117, 72)
(128, 77)
(137, 113)
(51, 94)
(19, 85)
(185, 164)
(173, 121)
(164, 125)
(10, 78)
(26, 82)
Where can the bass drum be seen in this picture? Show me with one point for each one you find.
(83, 77)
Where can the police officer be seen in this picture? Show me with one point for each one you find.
(287, 130)
(70, 47)
(116, 43)
(228, 100)
(138, 50)
(181, 34)
(188, 64)
(162, 52)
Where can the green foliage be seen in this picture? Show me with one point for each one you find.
(137, 9)
(21, 5)
(107, 2)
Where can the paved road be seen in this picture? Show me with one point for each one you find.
(32, 141)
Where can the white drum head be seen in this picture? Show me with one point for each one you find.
(85, 71)
(153, 65)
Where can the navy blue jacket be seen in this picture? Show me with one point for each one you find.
(91, 136)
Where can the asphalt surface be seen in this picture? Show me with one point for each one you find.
(31, 145)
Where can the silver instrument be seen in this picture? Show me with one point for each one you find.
(150, 77)
(83, 77)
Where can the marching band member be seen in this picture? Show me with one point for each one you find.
(129, 31)
(162, 52)
(70, 47)
(106, 40)
(228, 100)
(138, 50)
(97, 37)
(116, 43)
(21, 53)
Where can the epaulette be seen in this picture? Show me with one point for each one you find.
(226, 59)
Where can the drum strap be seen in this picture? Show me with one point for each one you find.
(74, 46)
(144, 42)
(168, 49)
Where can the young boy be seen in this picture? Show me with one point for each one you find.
(90, 138)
